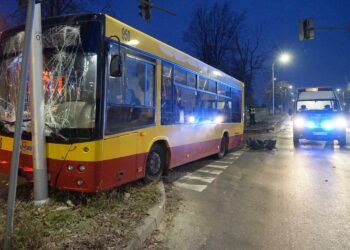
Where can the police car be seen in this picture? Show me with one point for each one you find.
(318, 116)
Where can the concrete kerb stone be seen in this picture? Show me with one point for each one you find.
(151, 223)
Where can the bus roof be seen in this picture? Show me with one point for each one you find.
(152, 46)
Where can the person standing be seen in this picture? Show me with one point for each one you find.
(251, 116)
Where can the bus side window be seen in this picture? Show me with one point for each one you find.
(167, 116)
(185, 105)
(236, 105)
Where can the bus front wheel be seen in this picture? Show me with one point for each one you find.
(155, 164)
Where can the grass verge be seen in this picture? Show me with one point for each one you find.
(79, 221)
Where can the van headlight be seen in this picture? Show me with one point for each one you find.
(340, 122)
(327, 124)
(299, 122)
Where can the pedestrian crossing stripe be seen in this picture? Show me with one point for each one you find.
(226, 162)
(209, 171)
(194, 187)
(217, 166)
(198, 178)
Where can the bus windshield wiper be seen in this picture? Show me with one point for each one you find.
(55, 132)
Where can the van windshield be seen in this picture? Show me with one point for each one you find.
(318, 105)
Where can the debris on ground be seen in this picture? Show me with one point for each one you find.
(257, 144)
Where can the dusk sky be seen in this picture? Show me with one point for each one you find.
(323, 61)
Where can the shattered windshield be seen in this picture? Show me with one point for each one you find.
(69, 81)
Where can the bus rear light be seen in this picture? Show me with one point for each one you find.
(79, 182)
(82, 168)
(70, 167)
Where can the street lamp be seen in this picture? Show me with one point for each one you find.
(343, 94)
(283, 58)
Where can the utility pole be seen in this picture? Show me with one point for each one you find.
(18, 128)
(273, 88)
(37, 112)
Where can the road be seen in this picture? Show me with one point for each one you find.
(282, 199)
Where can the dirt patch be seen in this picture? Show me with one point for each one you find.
(79, 221)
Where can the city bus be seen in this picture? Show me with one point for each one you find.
(119, 104)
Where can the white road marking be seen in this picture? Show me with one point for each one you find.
(209, 171)
(216, 166)
(199, 178)
(233, 158)
(226, 162)
(194, 187)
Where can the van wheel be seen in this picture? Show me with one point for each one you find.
(296, 142)
(223, 147)
(155, 164)
(342, 140)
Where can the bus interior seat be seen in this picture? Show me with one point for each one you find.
(86, 117)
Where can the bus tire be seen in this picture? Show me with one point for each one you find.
(223, 147)
(155, 164)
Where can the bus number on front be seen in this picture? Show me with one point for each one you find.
(126, 34)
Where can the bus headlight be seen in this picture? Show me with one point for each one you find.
(299, 122)
(79, 182)
(70, 167)
(82, 168)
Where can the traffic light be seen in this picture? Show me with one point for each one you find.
(306, 29)
(145, 9)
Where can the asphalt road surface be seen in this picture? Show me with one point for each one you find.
(282, 199)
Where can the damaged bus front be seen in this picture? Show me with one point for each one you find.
(71, 86)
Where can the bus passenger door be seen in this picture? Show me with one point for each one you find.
(130, 108)
(120, 141)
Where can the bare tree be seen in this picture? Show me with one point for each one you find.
(211, 33)
(216, 35)
(283, 95)
(2, 24)
(60, 7)
(246, 61)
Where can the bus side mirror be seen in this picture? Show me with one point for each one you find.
(115, 69)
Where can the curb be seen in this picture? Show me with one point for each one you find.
(155, 216)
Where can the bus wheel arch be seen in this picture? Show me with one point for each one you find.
(157, 161)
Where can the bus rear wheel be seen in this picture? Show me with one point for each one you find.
(155, 164)
(223, 147)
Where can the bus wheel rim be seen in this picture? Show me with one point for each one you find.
(154, 164)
